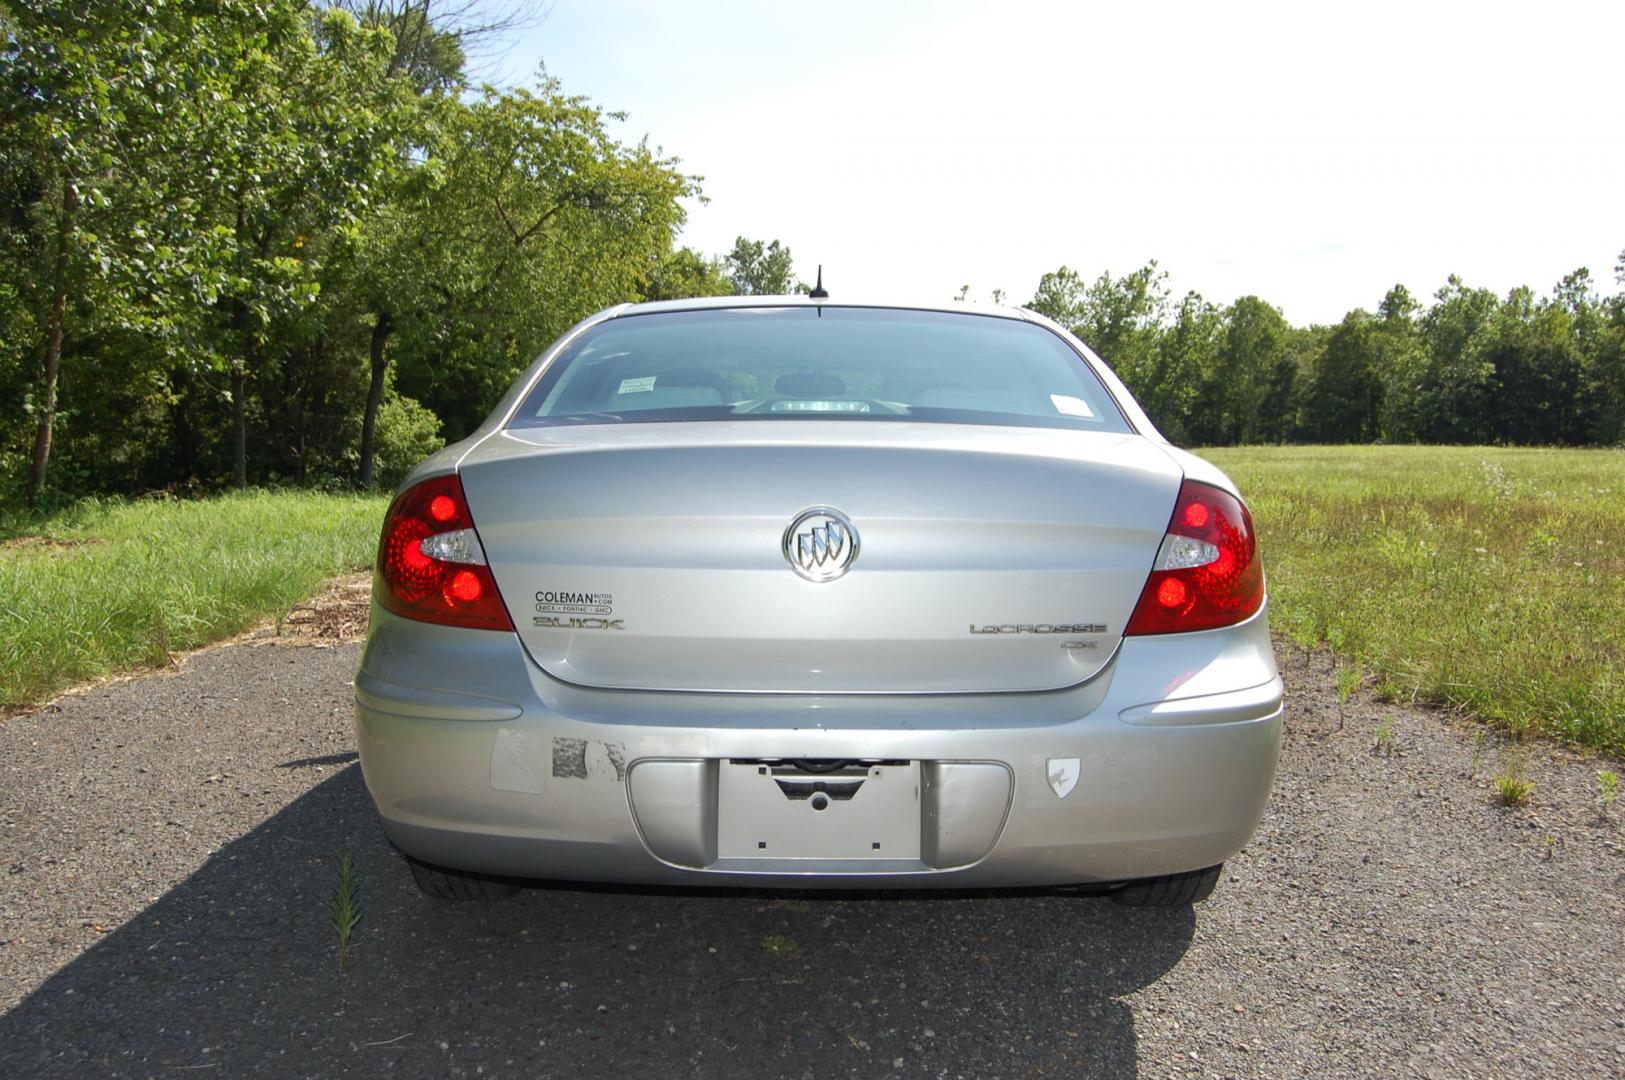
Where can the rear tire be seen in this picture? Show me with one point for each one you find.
(1170, 890)
(443, 883)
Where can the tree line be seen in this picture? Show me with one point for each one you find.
(291, 241)
(1469, 367)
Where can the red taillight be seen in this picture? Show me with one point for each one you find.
(1207, 572)
(444, 581)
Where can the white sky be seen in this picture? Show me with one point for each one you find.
(1309, 153)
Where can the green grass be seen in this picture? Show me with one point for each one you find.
(1607, 790)
(1513, 788)
(116, 586)
(1488, 579)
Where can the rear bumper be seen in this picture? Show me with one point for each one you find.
(497, 768)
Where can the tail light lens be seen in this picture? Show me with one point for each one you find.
(1207, 572)
(430, 563)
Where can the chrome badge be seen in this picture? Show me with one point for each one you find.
(820, 544)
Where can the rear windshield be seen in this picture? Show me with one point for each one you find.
(820, 363)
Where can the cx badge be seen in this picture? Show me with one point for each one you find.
(820, 544)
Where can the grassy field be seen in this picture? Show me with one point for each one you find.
(1489, 579)
(112, 586)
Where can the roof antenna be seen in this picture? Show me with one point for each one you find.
(818, 290)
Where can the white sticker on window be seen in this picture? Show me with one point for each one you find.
(633, 386)
(1067, 405)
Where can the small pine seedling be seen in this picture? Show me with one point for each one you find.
(1513, 788)
(1385, 737)
(345, 906)
(1607, 789)
(1348, 680)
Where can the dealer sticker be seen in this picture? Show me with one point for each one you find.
(570, 602)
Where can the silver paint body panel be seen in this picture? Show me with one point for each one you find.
(1158, 793)
(681, 526)
(603, 754)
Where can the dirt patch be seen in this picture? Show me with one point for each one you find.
(35, 545)
(338, 613)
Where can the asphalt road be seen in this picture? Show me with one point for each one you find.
(168, 846)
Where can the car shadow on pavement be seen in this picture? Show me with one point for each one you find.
(234, 971)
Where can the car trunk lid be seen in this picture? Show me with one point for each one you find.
(653, 556)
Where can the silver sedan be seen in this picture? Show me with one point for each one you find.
(790, 592)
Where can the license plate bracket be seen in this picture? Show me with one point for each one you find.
(777, 812)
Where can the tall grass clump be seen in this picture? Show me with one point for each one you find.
(108, 586)
(1488, 579)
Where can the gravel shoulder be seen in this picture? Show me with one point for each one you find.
(168, 845)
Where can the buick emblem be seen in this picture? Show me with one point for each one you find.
(820, 543)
